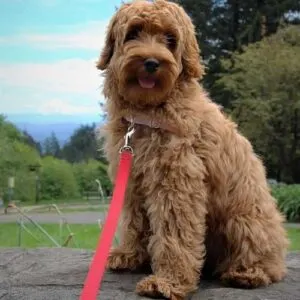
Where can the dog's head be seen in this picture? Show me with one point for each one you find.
(149, 46)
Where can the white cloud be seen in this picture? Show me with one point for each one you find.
(71, 76)
(59, 106)
(88, 36)
(56, 87)
(56, 2)
(71, 86)
(19, 101)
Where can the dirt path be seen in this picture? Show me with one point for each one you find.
(85, 217)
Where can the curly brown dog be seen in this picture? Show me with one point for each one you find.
(198, 197)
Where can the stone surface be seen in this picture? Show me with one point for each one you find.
(58, 274)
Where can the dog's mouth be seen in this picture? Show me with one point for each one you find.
(147, 82)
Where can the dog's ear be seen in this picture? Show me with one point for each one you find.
(108, 49)
(191, 60)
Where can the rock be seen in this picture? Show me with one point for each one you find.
(59, 273)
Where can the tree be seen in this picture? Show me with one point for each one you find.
(225, 26)
(57, 179)
(19, 156)
(30, 141)
(83, 145)
(51, 146)
(9, 130)
(200, 12)
(87, 173)
(265, 85)
(15, 159)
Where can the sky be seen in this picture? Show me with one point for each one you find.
(48, 51)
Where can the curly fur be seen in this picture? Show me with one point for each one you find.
(197, 201)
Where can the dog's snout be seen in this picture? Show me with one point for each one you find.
(151, 65)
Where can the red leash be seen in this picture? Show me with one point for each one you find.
(98, 265)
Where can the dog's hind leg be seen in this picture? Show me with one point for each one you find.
(256, 253)
(257, 275)
(132, 251)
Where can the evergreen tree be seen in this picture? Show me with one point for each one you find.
(51, 146)
(82, 145)
(225, 26)
(30, 141)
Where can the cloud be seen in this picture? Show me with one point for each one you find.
(68, 76)
(28, 101)
(63, 107)
(56, 2)
(86, 36)
(70, 86)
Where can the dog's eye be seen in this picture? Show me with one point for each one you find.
(132, 34)
(171, 41)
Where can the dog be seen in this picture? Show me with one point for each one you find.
(197, 200)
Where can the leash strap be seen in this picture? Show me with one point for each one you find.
(98, 265)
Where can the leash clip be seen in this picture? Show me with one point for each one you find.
(128, 135)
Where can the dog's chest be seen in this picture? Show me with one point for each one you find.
(153, 150)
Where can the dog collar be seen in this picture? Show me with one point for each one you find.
(152, 123)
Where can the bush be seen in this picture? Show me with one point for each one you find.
(15, 159)
(57, 180)
(288, 200)
(25, 179)
(86, 174)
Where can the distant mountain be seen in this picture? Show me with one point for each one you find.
(54, 118)
(39, 132)
(41, 126)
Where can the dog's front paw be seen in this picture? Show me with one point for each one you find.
(152, 286)
(120, 259)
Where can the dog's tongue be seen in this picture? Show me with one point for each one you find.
(147, 83)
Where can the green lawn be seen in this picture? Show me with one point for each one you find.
(85, 236)
(294, 236)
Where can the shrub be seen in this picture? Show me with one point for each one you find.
(15, 159)
(57, 179)
(86, 174)
(288, 200)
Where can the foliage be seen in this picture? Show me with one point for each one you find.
(9, 130)
(51, 146)
(265, 86)
(15, 159)
(87, 172)
(30, 141)
(82, 145)
(25, 157)
(57, 179)
(288, 199)
(225, 26)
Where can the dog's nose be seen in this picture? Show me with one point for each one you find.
(151, 65)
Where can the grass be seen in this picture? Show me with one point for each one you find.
(294, 236)
(85, 235)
